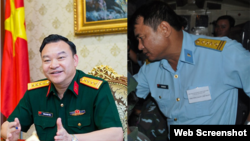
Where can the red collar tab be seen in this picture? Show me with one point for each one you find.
(76, 88)
(48, 90)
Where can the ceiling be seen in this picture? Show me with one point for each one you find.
(245, 3)
(134, 4)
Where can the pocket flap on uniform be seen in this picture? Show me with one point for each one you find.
(45, 123)
(79, 121)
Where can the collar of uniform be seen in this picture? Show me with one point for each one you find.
(187, 49)
(73, 86)
(51, 90)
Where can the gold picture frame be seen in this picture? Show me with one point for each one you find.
(100, 27)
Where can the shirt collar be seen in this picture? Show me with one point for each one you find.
(187, 50)
(187, 53)
(73, 86)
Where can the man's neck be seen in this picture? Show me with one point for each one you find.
(61, 88)
(173, 60)
(60, 91)
(176, 46)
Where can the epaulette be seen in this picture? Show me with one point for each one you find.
(211, 43)
(91, 82)
(38, 84)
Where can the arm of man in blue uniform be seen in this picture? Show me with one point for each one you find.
(237, 67)
(142, 89)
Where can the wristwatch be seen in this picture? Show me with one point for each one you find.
(74, 138)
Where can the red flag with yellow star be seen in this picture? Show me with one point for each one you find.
(15, 63)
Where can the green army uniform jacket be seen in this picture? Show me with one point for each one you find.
(84, 108)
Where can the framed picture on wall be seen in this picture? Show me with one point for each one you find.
(98, 17)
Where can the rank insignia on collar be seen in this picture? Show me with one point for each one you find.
(188, 56)
(211, 43)
(38, 84)
(77, 112)
(45, 114)
(91, 82)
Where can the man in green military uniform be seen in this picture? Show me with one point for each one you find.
(69, 104)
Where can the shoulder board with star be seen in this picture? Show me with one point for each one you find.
(91, 82)
(38, 84)
(210, 43)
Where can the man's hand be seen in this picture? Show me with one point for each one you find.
(61, 134)
(13, 130)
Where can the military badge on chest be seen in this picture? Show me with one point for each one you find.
(77, 112)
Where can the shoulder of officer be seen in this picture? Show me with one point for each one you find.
(210, 43)
(91, 82)
(38, 84)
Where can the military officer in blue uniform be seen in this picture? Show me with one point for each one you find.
(194, 79)
(69, 104)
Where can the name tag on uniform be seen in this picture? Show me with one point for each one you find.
(45, 114)
(199, 94)
(162, 86)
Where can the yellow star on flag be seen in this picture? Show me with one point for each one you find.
(15, 23)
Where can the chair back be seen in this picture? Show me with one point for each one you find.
(118, 86)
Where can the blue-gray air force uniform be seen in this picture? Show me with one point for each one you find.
(203, 90)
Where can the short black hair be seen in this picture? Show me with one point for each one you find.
(183, 21)
(155, 12)
(55, 38)
(230, 19)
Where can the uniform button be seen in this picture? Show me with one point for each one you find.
(175, 119)
(176, 76)
(62, 105)
(160, 97)
(178, 99)
(79, 124)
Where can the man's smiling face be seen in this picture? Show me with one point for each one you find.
(59, 63)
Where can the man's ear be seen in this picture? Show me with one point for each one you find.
(165, 28)
(75, 60)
